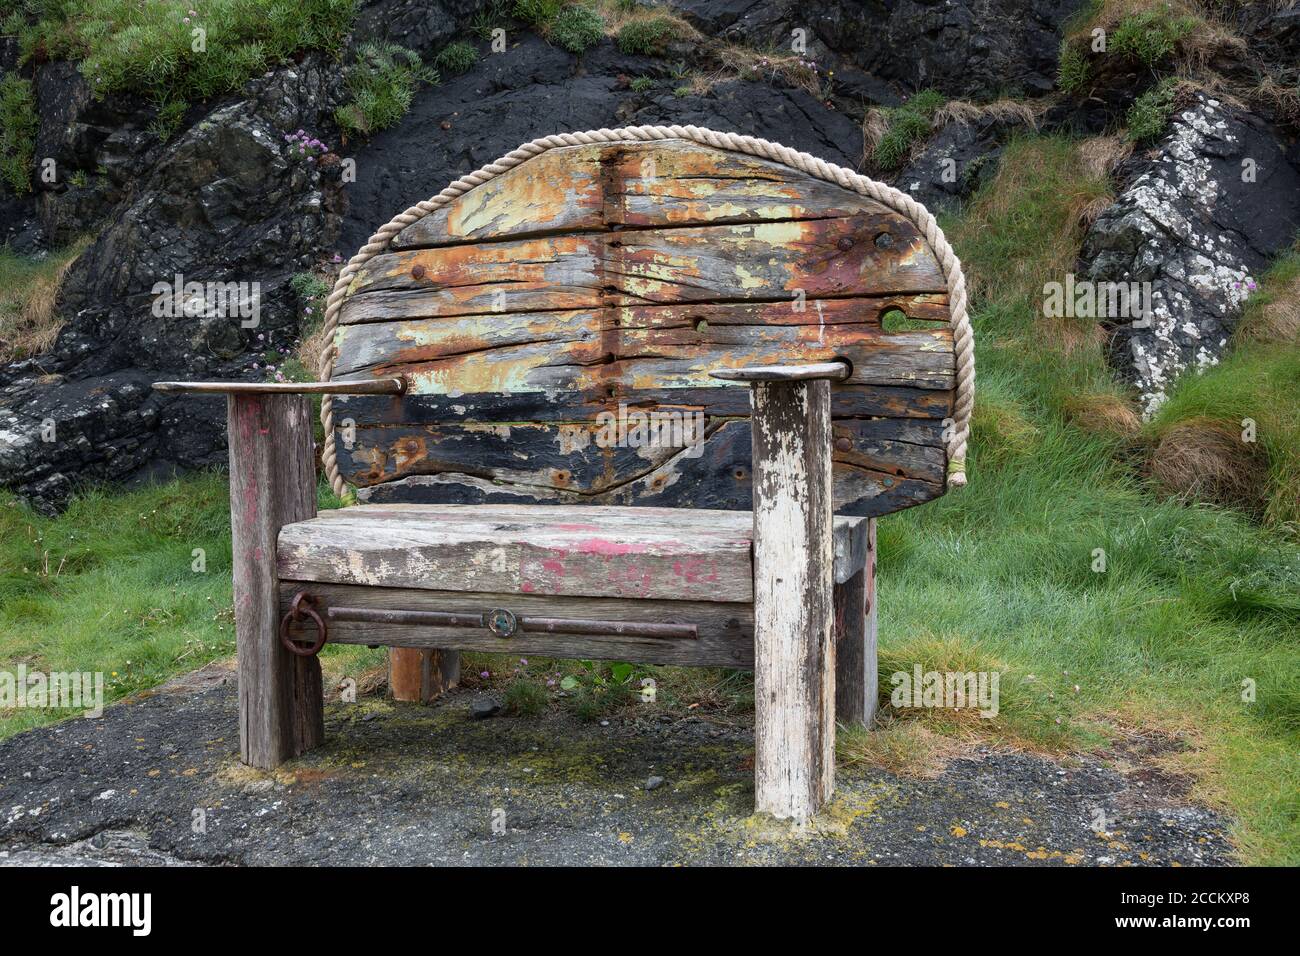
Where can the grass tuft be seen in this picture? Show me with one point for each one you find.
(18, 124)
(897, 130)
(382, 82)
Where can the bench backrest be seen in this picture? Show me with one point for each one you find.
(557, 325)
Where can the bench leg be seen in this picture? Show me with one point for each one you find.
(855, 640)
(421, 675)
(272, 483)
(794, 650)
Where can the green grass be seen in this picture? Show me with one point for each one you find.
(577, 27)
(905, 126)
(382, 84)
(538, 13)
(1150, 36)
(1193, 600)
(152, 48)
(111, 586)
(647, 37)
(1148, 116)
(1072, 70)
(456, 58)
(18, 123)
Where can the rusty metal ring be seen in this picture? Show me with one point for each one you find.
(303, 606)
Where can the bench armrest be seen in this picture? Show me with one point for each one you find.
(836, 370)
(374, 386)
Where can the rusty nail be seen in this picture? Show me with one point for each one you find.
(843, 444)
(417, 271)
(845, 244)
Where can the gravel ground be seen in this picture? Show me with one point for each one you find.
(157, 781)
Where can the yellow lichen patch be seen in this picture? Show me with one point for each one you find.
(957, 831)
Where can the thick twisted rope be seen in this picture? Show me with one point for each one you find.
(956, 430)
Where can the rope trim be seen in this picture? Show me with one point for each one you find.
(900, 202)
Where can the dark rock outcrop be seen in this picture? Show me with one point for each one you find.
(954, 163)
(1198, 219)
(965, 48)
(229, 207)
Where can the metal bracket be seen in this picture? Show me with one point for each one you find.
(506, 624)
(303, 606)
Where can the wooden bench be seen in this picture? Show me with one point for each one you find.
(621, 395)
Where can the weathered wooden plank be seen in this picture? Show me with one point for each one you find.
(569, 456)
(645, 562)
(587, 188)
(368, 346)
(868, 253)
(725, 630)
(918, 404)
(856, 681)
(421, 675)
(794, 659)
(587, 459)
(673, 358)
(718, 479)
(272, 484)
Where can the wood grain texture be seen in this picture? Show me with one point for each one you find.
(421, 675)
(595, 279)
(272, 484)
(663, 554)
(725, 630)
(856, 681)
(794, 661)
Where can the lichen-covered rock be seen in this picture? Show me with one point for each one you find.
(1198, 219)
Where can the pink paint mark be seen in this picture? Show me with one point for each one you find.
(609, 548)
(527, 587)
(554, 566)
(577, 527)
(695, 570)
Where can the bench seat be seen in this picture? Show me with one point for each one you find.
(603, 564)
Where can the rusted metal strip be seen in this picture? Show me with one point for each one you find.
(377, 386)
(836, 371)
(493, 619)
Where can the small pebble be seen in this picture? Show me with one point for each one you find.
(654, 782)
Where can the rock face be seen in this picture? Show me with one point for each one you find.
(956, 161)
(965, 48)
(226, 216)
(226, 202)
(1198, 220)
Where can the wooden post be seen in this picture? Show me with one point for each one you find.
(272, 483)
(855, 639)
(794, 652)
(421, 675)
